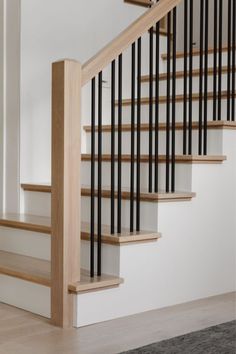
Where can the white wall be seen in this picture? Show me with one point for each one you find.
(51, 31)
(196, 23)
(9, 103)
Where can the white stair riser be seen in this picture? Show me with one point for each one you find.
(25, 295)
(183, 175)
(27, 243)
(110, 258)
(214, 142)
(148, 213)
(148, 210)
(37, 203)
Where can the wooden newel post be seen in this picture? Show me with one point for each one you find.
(66, 197)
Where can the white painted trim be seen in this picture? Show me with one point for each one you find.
(10, 105)
(2, 92)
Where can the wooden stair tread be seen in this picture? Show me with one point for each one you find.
(162, 126)
(180, 74)
(179, 98)
(106, 193)
(145, 196)
(38, 271)
(25, 268)
(117, 239)
(191, 159)
(26, 222)
(43, 224)
(144, 3)
(196, 52)
(87, 283)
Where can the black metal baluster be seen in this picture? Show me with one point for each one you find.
(229, 60)
(99, 199)
(168, 103)
(119, 196)
(220, 57)
(202, 10)
(185, 77)
(138, 133)
(113, 76)
(233, 61)
(190, 112)
(92, 202)
(150, 107)
(133, 78)
(157, 93)
(173, 103)
(215, 59)
(206, 78)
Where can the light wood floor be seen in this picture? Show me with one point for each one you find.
(24, 333)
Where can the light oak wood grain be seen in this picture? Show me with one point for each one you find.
(87, 283)
(180, 74)
(66, 145)
(162, 126)
(179, 98)
(26, 222)
(26, 268)
(196, 52)
(186, 159)
(145, 196)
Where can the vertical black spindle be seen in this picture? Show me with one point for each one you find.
(157, 93)
(119, 196)
(190, 112)
(133, 78)
(233, 61)
(99, 198)
(92, 203)
(173, 103)
(185, 77)
(113, 75)
(220, 57)
(138, 134)
(206, 78)
(215, 59)
(168, 103)
(229, 60)
(150, 106)
(202, 10)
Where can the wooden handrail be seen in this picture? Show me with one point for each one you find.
(111, 51)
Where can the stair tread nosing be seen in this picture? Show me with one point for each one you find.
(106, 193)
(189, 159)
(38, 271)
(179, 98)
(217, 124)
(43, 225)
(180, 74)
(196, 52)
(26, 222)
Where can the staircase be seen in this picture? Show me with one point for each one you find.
(88, 238)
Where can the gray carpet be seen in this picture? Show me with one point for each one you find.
(219, 339)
